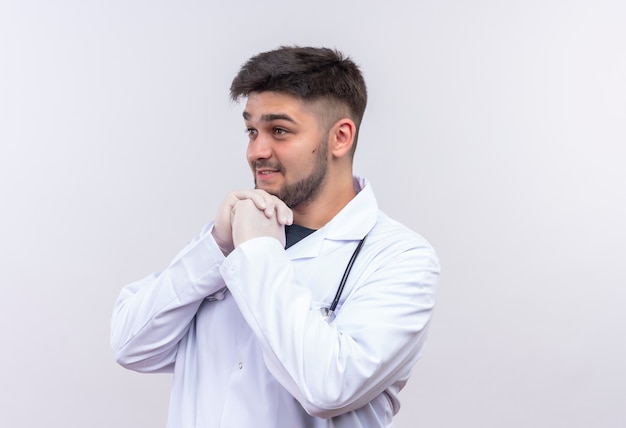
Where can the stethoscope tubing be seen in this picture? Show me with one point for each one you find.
(344, 278)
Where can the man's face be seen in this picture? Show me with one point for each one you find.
(288, 149)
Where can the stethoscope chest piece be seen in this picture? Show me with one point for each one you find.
(327, 314)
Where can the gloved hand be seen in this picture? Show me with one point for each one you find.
(260, 214)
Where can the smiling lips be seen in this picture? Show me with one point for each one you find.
(265, 174)
(265, 171)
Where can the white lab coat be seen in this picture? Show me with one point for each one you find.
(260, 354)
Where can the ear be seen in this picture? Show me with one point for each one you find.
(341, 137)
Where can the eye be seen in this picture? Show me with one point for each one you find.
(251, 132)
(279, 131)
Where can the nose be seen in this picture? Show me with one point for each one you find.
(259, 148)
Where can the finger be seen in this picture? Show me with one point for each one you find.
(284, 215)
(253, 195)
(270, 205)
(265, 202)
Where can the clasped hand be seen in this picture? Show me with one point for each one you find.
(248, 214)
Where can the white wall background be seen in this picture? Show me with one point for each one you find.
(495, 128)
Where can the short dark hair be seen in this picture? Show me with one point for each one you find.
(308, 73)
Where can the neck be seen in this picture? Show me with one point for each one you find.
(316, 213)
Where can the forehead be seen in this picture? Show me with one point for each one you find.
(267, 105)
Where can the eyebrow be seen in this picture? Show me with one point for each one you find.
(270, 117)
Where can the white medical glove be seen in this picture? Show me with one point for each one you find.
(249, 222)
(268, 205)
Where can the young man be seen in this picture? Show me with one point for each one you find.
(302, 304)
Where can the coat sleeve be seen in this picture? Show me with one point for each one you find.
(151, 316)
(373, 343)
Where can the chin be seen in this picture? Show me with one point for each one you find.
(270, 190)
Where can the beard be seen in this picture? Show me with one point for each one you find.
(306, 189)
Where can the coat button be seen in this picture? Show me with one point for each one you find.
(240, 365)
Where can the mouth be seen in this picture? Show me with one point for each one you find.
(265, 170)
(266, 175)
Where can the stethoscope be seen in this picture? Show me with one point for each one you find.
(328, 314)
